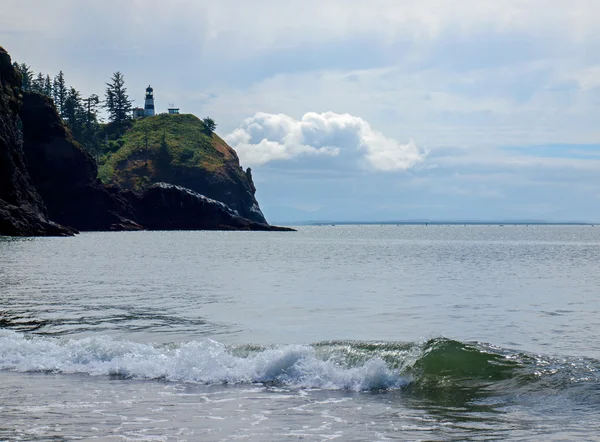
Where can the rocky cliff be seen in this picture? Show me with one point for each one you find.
(22, 210)
(177, 149)
(187, 210)
(46, 175)
(65, 174)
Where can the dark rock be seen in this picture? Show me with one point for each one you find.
(22, 211)
(169, 207)
(230, 187)
(250, 181)
(46, 175)
(65, 174)
(210, 167)
(22, 220)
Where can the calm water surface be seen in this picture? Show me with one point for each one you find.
(329, 333)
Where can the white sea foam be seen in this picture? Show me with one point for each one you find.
(205, 362)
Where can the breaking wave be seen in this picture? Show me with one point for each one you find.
(340, 365)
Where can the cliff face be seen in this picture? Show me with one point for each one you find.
(65, 174)
(187, 210)
(231, 186)
(46, 175)
(22, 210)
(176, 149)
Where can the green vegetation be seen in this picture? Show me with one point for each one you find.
(154, 145)
(118, 105)
(209, 125)
(80, 114)
(59, 92)
(132, 153)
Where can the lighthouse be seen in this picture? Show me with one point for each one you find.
(149, 104)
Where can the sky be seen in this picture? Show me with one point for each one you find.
(376, 110)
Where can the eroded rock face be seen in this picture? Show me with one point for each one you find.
(202, 162)
(230, 185)
(46, 175)
(22, 211)
(169, 207)
(65, 174)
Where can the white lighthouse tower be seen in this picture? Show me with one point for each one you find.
(149, 104)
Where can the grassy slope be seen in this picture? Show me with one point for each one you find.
(187, 143)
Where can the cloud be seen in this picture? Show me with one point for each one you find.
(447, 73)
(271, 137)
(263, 23)
(470, 80)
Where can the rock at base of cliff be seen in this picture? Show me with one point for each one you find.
(169, 207)
(23, 221)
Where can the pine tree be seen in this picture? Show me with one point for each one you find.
(91, 137)
(91, 110)
(37, 85)
(48, 86)
(117, 102)
(74, 114)
(59, 92)
(26, 75)
(209, 125)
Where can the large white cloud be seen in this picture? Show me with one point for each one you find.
(269, 137)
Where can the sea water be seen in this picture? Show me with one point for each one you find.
(349, 333)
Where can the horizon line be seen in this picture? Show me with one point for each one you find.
(438, 222)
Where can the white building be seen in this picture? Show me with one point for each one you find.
(138, 112)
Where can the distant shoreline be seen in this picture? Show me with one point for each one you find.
(440, 223)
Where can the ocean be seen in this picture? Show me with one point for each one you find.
(347, 333)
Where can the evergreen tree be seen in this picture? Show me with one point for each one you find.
(48, 86)
(37, 85)
(91, 110)
(209, 125)
(60, 92)
(73, 113)
(91, 136)
(117, 102)
(26, 75)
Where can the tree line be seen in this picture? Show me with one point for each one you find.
(82, 114)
